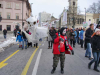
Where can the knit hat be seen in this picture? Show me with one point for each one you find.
(97, 29)
(61, 30)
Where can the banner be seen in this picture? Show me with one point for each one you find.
(86, 24)
(65, 17)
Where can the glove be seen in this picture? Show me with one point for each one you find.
(61, 39)
(72, 52)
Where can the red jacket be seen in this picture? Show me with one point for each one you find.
(56, 44)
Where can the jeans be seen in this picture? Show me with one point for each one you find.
(96, 56)
(24, 41)
(88, 50)
(81, 41)
(4, 36)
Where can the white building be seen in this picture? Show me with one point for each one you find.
(43, 17)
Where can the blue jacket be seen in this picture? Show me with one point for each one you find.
(81, 34)
(75, 34)
(19, 38)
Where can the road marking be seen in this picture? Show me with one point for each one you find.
(2, 64)
(39, 44)
(37, 63)
(24, 72)
(42, 44)
(17, 44)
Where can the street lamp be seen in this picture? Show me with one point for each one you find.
(22, 13)
(85, 14)
(73, 15)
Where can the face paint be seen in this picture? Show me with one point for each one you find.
(64, 32)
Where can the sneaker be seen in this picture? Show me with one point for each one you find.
(87, 56)
(90, 58)
(97, 70)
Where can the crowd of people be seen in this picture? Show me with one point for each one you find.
(87, 38)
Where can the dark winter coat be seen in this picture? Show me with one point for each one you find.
(88, 35)
(52, 33)
(96, 43)
(72, 34)
(23, 34)
(4, 32)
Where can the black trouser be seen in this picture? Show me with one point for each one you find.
(81, 42)
(72, 42)
(36, 45)
(15, 34)
(49, 43)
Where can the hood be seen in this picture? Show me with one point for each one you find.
(61, 30)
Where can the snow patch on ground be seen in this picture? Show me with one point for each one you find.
(7, 43)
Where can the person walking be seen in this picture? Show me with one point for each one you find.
(51, 34)
(75, 35)
(5, 33)
(95, 50)
(15, 32)
(81, 37)
(88, 35)
(72, 38)
(68, 34)
(24, 39)
(19, 39)
(59, 50)
(77, 38)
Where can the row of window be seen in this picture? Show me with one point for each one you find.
(8, 27)
(9, 15)
(8, 5)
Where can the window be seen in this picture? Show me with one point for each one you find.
(8, 15)
(97, 21)
(8, 27)
(80, 20)
(1, 5)
(89, 19)
(17, 6)
(0, 14)
(8, 5)
(17, 16)
(0, 27)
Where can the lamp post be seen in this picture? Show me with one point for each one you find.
(73, 15)
(22, 13)
(85, 14)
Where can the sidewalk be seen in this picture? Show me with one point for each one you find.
(4, 43)
(8, 37)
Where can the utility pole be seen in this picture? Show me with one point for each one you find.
(85, 14)
(73, 15)
(22, 13)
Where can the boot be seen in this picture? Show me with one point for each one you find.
(62, 71)
(89, 66)
(36, 45)
(96, 70)
(53, 70)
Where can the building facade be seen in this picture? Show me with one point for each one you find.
(43, 17)
(75, 19)
(11, 13)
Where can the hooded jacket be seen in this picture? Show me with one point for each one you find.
(81, 34)
(96, 43)
(19, 37)
(56, 44)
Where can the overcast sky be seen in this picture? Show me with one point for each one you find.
(55, 7)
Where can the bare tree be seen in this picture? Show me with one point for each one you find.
(93, 8)
(98, 7)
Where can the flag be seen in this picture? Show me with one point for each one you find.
(65, 17)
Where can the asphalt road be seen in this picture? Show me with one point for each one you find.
(38, 61)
